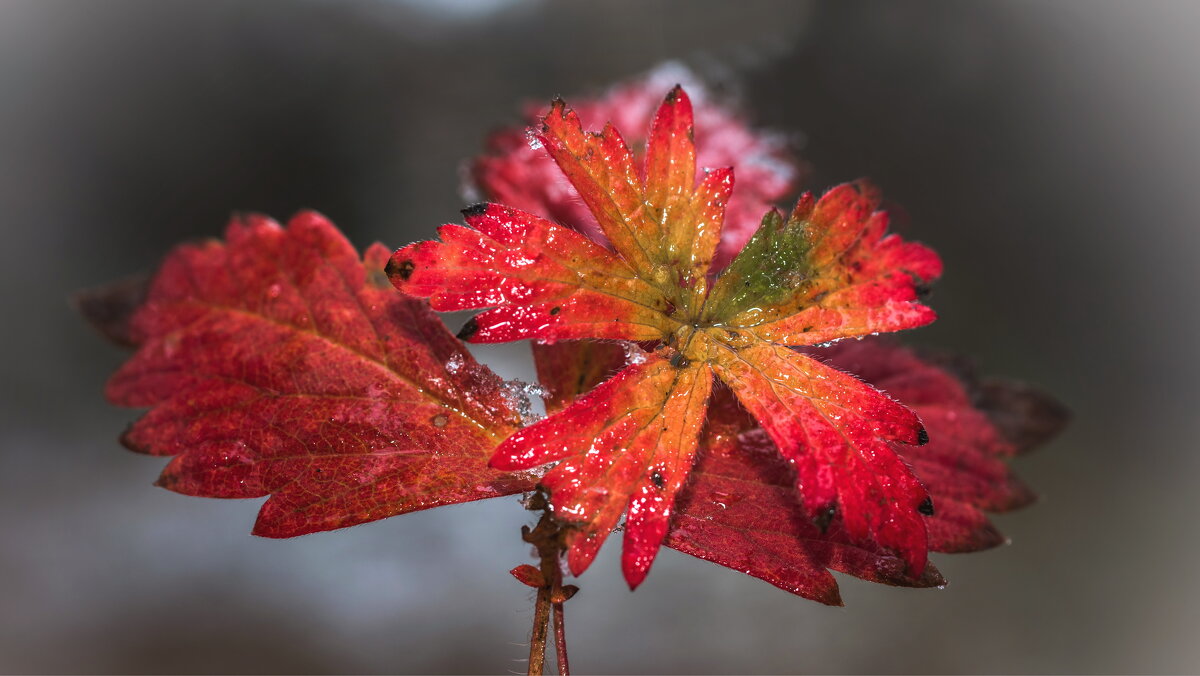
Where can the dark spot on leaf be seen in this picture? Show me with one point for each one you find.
(679, 361)
(820, 297)
(468, 330)
(402, 269)
(825, 517)
(926, 507)
(475, 210)
(670, 309)
(555, 310)
(922, 436)
(673, 95)
(658, 481)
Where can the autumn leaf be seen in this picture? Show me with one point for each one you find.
(515, 172)
(280, 363)
(740, 508)
(827, 271)
(737, 510)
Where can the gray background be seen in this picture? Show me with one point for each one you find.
(1050, 151)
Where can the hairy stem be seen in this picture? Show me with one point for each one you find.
(548, 538)
(537, 640)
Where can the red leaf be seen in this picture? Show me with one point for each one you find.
(835, 431)
(549, 281)
(740, 509)
(515, 173)
(961, 467)
(630, 441)
(826, 272)
(528, 576)
(280, 363)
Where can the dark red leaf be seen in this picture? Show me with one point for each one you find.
(529, 576)
(1025, 415)
(109, 308)
(282, 364)
(741, 510)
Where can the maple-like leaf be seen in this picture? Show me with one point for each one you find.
(740, 508)
(521, 174)
(280, 363)
(826, 272)
(737, 510)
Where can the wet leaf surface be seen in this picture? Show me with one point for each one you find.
(827, 271)
(280, 363)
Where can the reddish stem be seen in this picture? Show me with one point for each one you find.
(537, 640)
(560, 641)
(547, 538)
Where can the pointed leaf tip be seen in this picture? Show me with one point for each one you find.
(468, 330)
(476, 209)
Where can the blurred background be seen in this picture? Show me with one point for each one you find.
(1049, 151)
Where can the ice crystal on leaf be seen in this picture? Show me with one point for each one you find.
(826, 271)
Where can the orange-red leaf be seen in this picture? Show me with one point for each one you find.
(548, 281)
(520, 174)
(665, 226)
(827, 271)
(280, 363)
(834, 430)
(740, 509)
(629, 442)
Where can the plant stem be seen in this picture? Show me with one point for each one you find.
(547, 537)
(560, 641)
(537, 640)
